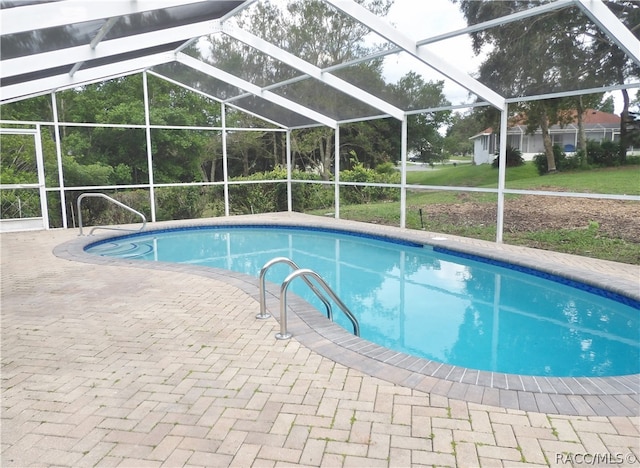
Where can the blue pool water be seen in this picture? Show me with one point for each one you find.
(415, 299)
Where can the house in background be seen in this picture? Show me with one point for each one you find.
(599, 126)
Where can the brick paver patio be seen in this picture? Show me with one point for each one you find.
(108, 365)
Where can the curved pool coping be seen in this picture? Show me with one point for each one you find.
(587, 396)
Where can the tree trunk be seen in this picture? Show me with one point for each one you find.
(326, 155)
(275, 149)
(624, 136)
(582, 136)
(548, 146)
(245, 162)
(62, 118)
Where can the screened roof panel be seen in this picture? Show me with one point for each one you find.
(65, 52)
(427, 19)
(320, 34)
(35, 75)
(65, 36)
(533, 62)
(45, 40)
(197, 80)
(6, 4)
(403, 82)
(327, 100)
(225, 92)
(628, 13)
(133, 54)
(261, 107)
(243, 61)
(164, 18)
(48, 72)
(315, 61)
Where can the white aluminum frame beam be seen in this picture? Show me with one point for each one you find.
(81, 77)
(312, 70)
(384, 29)
(612, 26)
(48, 15)
(84, 53)
(518, 16)
(255, 90)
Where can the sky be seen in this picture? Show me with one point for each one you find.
(427, 18)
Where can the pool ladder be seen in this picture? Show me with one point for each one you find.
(112, 200)
(305, 274)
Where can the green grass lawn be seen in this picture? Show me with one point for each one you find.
(587, 241)
(623, 180)
(468, 175)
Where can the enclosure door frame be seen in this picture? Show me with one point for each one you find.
(41, 185)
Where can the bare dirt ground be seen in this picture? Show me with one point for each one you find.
(616, 219)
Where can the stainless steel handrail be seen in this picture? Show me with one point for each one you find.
(284, 333)
(263, 292)
(102, 195)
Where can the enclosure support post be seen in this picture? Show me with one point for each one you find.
(56, 130)
(41, 179)
(403, 174)
(289, 171)
(502, 171)
(225, 169)
(336, 166)
(147, 128)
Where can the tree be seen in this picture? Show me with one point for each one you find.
(320, 35)
(18, 166)
(373, 142)
(616, 66)
(580, 104)
(177, 154)
(424, 139)
(541, 55)
(606, 105)
(633, 122)
(35, 109)
(462, 126)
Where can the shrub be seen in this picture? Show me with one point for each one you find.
(514, 158)
(540, 160)
(599, 154)
(100, 212)
(180, 202)
(632, 160)
(310, 196)
(603, 154)
(357, 194)
(386, 168)
(267, 197)
(576, 161)
(272, 197)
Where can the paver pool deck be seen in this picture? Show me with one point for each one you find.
(116, 363)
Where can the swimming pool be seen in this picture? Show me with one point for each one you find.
(424, 301)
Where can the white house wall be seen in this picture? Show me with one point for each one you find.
(484, 148)
(530, 145)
